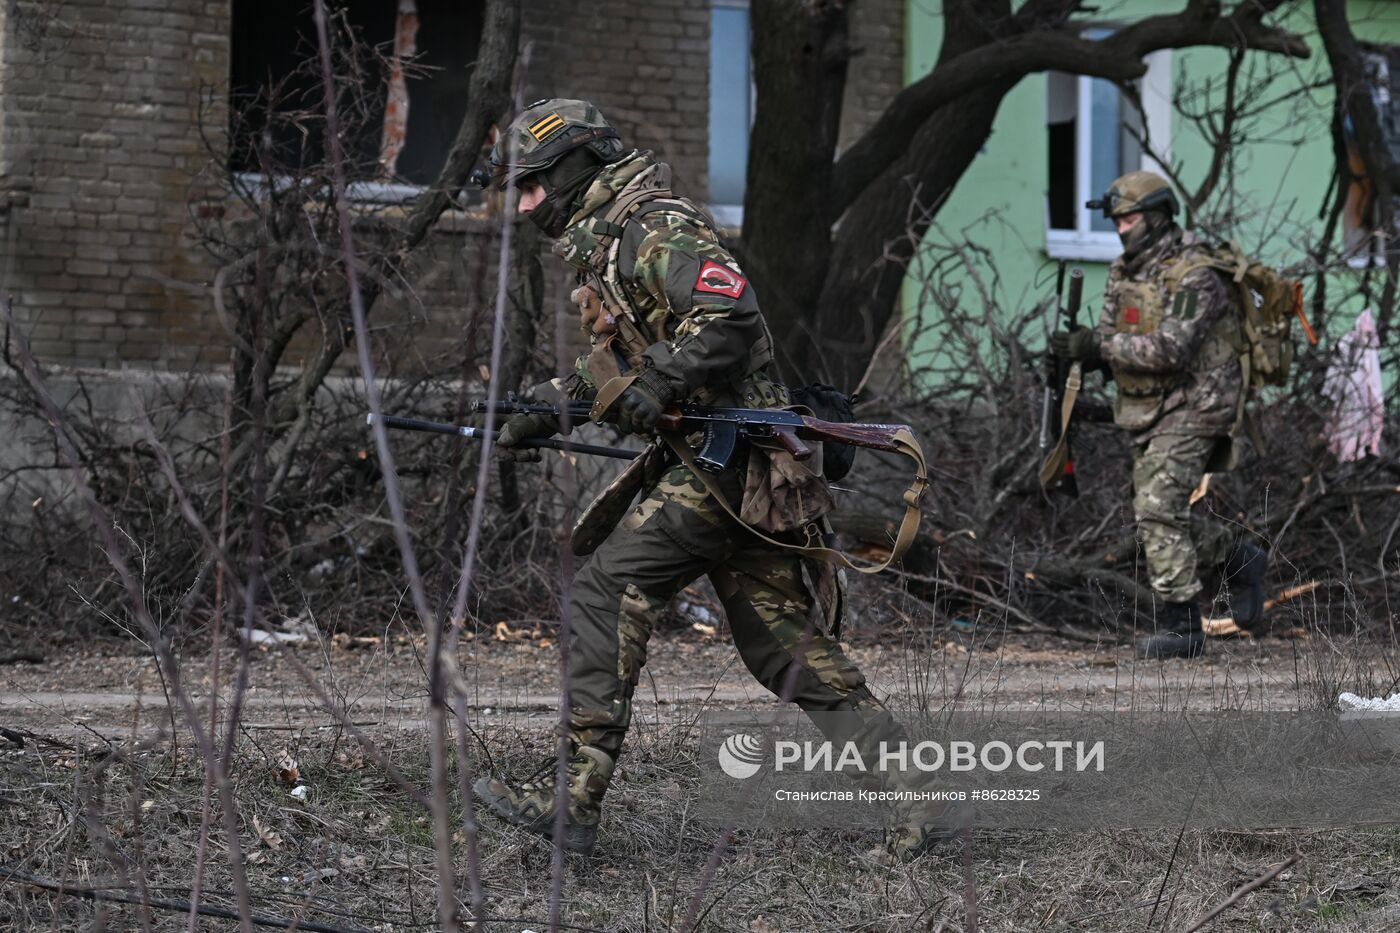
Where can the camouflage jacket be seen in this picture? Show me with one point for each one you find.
(1172, 339)
(690, 313)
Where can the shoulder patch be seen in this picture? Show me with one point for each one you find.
(719, 280)
(1184, 304)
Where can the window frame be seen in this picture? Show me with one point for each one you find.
(365, 192)
(732, 215)
(1084, 243)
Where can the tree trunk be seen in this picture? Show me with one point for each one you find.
(1355, 101)
(827, 248)
(800, 53)
(872, 250)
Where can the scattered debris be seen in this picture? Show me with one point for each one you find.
(269, 837)
(292, 632)
(287, 771)
(1349, 702)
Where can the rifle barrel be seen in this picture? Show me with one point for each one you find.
(438, 427)
(1076, 295)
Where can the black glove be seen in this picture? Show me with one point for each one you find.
(1078, 344)
(522, 427)
(637, 411)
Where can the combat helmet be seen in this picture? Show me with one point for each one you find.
(543, 134)
(1136, 191)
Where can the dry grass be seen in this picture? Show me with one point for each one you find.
(124, 814)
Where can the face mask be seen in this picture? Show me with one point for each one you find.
(562, 182)
(1141, 235)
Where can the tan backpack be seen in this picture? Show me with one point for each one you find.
(1269, 302)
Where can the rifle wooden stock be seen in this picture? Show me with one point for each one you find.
(872, 436)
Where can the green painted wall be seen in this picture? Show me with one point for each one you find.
(1280, 181)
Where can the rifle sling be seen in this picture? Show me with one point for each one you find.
(904, 442)
(1053, 467)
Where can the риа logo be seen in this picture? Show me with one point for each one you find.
(741, 755)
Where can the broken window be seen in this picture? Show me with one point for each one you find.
(410, 60)
(1093, 134)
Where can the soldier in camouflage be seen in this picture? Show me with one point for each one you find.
(1170, 336)
(671, 319)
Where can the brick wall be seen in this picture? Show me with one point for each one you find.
(646, 66)
(98, 156)
(876, 72)
(104, 175)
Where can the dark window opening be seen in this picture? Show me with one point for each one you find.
(275, 90)
(1062, 110)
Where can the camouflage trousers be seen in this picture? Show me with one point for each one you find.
(673, 536)
(1166, 470)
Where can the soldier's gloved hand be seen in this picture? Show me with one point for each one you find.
(1082, 343)
(641, 405)
(523, 427)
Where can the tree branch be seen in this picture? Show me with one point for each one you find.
(488, 96)
(1366, 134)
(1055, 47)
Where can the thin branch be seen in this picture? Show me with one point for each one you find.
(1051, 47)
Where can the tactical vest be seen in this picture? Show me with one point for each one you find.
(650, 192)
(1141, 306)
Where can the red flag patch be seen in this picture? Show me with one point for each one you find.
(719, 280)
(1130, 315)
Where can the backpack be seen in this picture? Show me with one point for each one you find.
(1269, 301)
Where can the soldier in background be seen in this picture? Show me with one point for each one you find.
(1170, 336)
(671, 319)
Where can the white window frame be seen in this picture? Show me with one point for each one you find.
(360, 192)
(732, 215)
(1156, 93)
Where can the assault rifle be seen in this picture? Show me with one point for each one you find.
(722, 429)
(1061, 377)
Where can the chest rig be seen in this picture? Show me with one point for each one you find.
(639, 319)
(1141, 305)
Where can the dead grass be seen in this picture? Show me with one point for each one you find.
(357, 852)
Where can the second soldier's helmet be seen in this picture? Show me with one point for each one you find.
(1136, 191)
(544, 133)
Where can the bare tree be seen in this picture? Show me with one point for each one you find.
(1357, 120)
(825, 237)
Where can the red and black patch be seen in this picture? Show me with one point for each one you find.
(1130, 315)
(719, 280)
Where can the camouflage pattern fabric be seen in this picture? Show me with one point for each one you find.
(696, 310)
(1166, 468)
(1172, 342)
(1171, 336)
(675, 534)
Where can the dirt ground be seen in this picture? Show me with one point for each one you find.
(94, 792)
(104, 688)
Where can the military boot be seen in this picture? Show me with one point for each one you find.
(530, 804)
(1244, 575)
(920, 826)
(1178, 634)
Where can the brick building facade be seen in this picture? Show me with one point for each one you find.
(112, 149)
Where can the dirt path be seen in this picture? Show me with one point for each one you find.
(106, 688)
